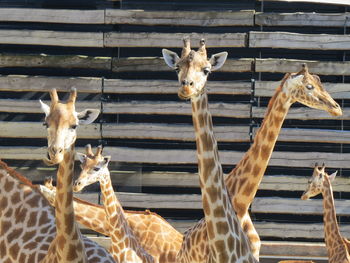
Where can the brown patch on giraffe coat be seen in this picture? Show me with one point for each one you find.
(271, 136)
(3, 203)
(222, 228)
(61, 241)
(213, 193)
(72, 253)
(33, 202)
(248, 189)
(256, 170)
(239, 207)
(210, 229)
(206, 206)
(264, 153)
(15, 198)
(14, 234)
(207, 142)
(32, 219)
(8, 186)
(219, 212)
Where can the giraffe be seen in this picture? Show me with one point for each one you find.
(337, 246)
(125, 246)
(243, 181)
(27, 222)
(154, 233)
(226, 240)
(61, 121)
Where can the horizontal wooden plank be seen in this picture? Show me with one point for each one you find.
(171, 132)
(174, 156)
(33, 106)
(330, 2)
(54, 61)
(36, 130)
(283, 249)
(298, 41)
(300, 230)
(122, 86)
(336, 90)
(275, 205)
(292, 65)
(180, 18)
(131, 64)
(45, 84)
(172, 40)
(302, 19)
(312, 135)
(287, 159)
(64, 16)
(51, 38)
(236, 110)
(304, 113)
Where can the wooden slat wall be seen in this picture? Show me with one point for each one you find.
(112, 57)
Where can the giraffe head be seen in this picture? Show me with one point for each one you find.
(94, 168)
(61, 121)
(48, 190)
(193, 67)
(307, 89)
(315, 184)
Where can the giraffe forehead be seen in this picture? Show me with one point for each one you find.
(62, 114)
(194, 60)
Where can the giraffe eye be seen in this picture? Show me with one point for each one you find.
(206, 71)
(177, 69)
(96, 169)
(46, 124)
(73, 127)
(309, 87)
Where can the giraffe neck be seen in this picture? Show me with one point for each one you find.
(70, 245)
(333, 239)
(223, 228)
(125, 246)
(243, 181)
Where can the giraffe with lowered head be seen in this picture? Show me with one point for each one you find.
(125, 247)
(243, 181)
(61, 121)
(338, 247)
(226, 240)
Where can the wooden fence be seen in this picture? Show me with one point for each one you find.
(112, 57)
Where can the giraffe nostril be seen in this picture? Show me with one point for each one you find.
(191, 83)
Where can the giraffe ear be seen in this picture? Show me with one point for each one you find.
(332, 176)
(82, 157)
(88, 116)
(170, 58)
(218, 60)
(106, 159)
(45, 108)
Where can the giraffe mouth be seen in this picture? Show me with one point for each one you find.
(48, 160)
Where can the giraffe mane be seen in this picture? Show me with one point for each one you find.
(12, 172)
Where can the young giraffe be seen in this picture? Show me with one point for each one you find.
(243, 181)
(154, 233)
(125, 247)
(61, 121)
(338, 247)
(226, 240)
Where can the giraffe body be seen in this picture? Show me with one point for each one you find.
(61, 121)
(337, 246)
(243, 181)
(154, 233)
(125, 246)
(28, 240)
(225, 238)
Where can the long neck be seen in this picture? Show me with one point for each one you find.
(222, 223)
(243, 181)
(125, 246)
(333, 239)
(70, 241)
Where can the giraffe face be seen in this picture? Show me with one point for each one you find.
(61, 121)
(307, 89)
(315, 184)
(193, 68)
(94, 168)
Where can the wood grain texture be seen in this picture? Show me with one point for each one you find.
(236, 110)
(180, 18)
(157, 64)
(172, 40)
(54, 61)
(64, 16)
(176, 132)
(293, 65)
(302, 19)
(44, 84)
(51, 38)
(298, 41)
(124, 86)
